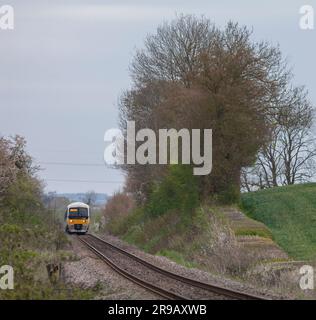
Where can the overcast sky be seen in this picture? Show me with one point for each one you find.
(66, 62)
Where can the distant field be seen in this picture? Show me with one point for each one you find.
(290, 213)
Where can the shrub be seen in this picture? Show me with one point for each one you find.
(178, 190)
(120, 225)
(229, 196)
(119, 205)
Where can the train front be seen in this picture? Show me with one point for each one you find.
(77, 218)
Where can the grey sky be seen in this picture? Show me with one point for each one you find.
(65, 64)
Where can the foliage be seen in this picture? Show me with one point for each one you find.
(120, 204)
(14, 161)
(228, 196)
(27, 231)
(121, 224)
(177, 191)
(216, 78)
(207, 242)
(30, 236)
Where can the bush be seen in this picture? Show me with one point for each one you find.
(23, 199)
(119, 205)
(178, 190)
(230, 196)
(120, 225)
(30, 235)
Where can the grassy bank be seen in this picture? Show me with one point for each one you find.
(209, 238)
(290, 214)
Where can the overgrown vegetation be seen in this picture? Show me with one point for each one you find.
(202, 237)
(177, 191)
(30, 235)
(192, 74)
(290, 213)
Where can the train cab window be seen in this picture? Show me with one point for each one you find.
(83, 212)
(78, 213)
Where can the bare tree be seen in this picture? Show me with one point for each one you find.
(297, 142)
(289, 156)
(90, 198)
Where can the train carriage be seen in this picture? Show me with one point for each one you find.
(77, 218)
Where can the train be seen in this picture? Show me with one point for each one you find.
(77, 218)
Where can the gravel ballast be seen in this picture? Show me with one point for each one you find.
(89, 271)
(192, 273)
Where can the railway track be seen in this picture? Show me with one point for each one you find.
(166, 284)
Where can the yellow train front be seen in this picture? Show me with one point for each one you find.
(77, 218)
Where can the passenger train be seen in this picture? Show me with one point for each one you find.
(77, 218)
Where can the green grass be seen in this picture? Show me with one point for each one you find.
(176, 257)
(168, 235)
(196, 240)
(290, 213)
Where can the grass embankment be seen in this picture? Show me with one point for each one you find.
(215, 239)
(285, 216)
(290, 213)
(173, 223)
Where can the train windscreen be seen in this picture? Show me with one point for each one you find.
(78, 213)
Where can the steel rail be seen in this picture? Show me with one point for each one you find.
(147, 285)
(234, 294)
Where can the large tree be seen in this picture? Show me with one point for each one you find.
(191, 74)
